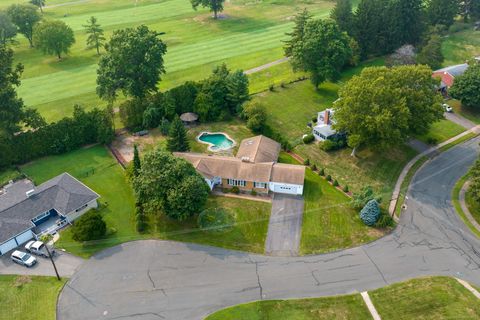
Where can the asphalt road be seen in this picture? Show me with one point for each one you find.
(285, 225)
(169, 280)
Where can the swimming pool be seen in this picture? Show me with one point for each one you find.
(217, 141)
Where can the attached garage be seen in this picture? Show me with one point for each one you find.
(16, 241)
(286, 188)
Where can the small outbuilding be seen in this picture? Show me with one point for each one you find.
(189, 118)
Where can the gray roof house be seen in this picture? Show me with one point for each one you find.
(27, 211)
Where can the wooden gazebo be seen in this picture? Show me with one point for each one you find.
(189, 118)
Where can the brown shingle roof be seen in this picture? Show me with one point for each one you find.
(259, 149)
(288, 173)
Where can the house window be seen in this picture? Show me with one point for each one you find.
(237, 183)
(260, 185)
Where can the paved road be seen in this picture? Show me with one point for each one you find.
(66, 263)
(285, 226)
(169, 280)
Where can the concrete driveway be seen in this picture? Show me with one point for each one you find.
(467, 124)
(285, 226)
(66, 263)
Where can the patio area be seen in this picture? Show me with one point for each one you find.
(51, 225)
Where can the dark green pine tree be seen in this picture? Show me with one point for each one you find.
(343, 15)
(177, 137)
(136, 161)
(296, 36)
(408, 22)
(369, 28)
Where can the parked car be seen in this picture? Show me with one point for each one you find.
(447, 108)
(38, 248)
(23, 258)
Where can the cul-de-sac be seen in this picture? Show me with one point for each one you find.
(239, 159)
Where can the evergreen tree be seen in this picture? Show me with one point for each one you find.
(442, 12)
(431, 54)
(95, 37)
(343, 15)
(136, 161)
(370, 27)
(297, 35)
(408, 22)
(370, 213)
(177, 137)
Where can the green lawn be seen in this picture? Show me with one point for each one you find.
(29, 297)
(469, 113)
(7, 175)
(442, 131)
(250, 34)
(461, 46)
(456, 204)
(434, 298)
(97, 169)
(341, 307)
(428, 298)
(473, 206)
(329, 223)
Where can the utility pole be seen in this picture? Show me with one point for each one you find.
(53, 262)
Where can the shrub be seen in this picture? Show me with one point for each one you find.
(215, 220)
(329, 177)
(140, 218)
(253, 192)
(365, 195)
(226, 190)
(321, 172)
(271, 87)
(335, 183)
(306, 162)
(88, 227)
(283, 85)
(345, 189)
(314, 167)
(314, 119)
(331, 145)
(164, 127)
(309, 138)
(384, 221)
(235, 190)
(458, 26)
(370, 213)
(432, 141)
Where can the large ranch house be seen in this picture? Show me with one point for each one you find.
(28, 211)
(255, 167)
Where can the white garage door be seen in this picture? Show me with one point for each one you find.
(24, 237)
(288, 189)
(7, 246)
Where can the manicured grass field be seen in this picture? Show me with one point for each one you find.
(331, 308)
(425, 298)
(428, 298)
(329, 223)
(29, 297)
(456, 204)
(473, 206)
(248, 35)
(442, 131)
(97, 169)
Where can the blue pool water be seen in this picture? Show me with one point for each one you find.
(218, 141)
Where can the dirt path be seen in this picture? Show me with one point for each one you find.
(266, 66)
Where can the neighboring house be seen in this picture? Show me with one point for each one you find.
(323, 128)
(447, 75)
(255, 167)
(28, 212)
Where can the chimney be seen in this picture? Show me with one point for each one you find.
(30, 193)
(327, 117)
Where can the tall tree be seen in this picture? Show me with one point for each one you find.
(177, 137)
(431, 54)
(470, 9)
(169, 185)
(442, 12)
(466, 87)
(370, 27)
(39, 3)
(408, 22)
(324, 51)
(8, 30)
(383, 106)
(13, 114)
(25, 17)
(54, 37)
(116, 70)
(95, 38)
(343, 15)
(237, 91)
(215, 6)
(136, 161)
(297, 35)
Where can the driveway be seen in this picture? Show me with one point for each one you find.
(66, 263)
(285, 226)
(172, 280)
(467, 124)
